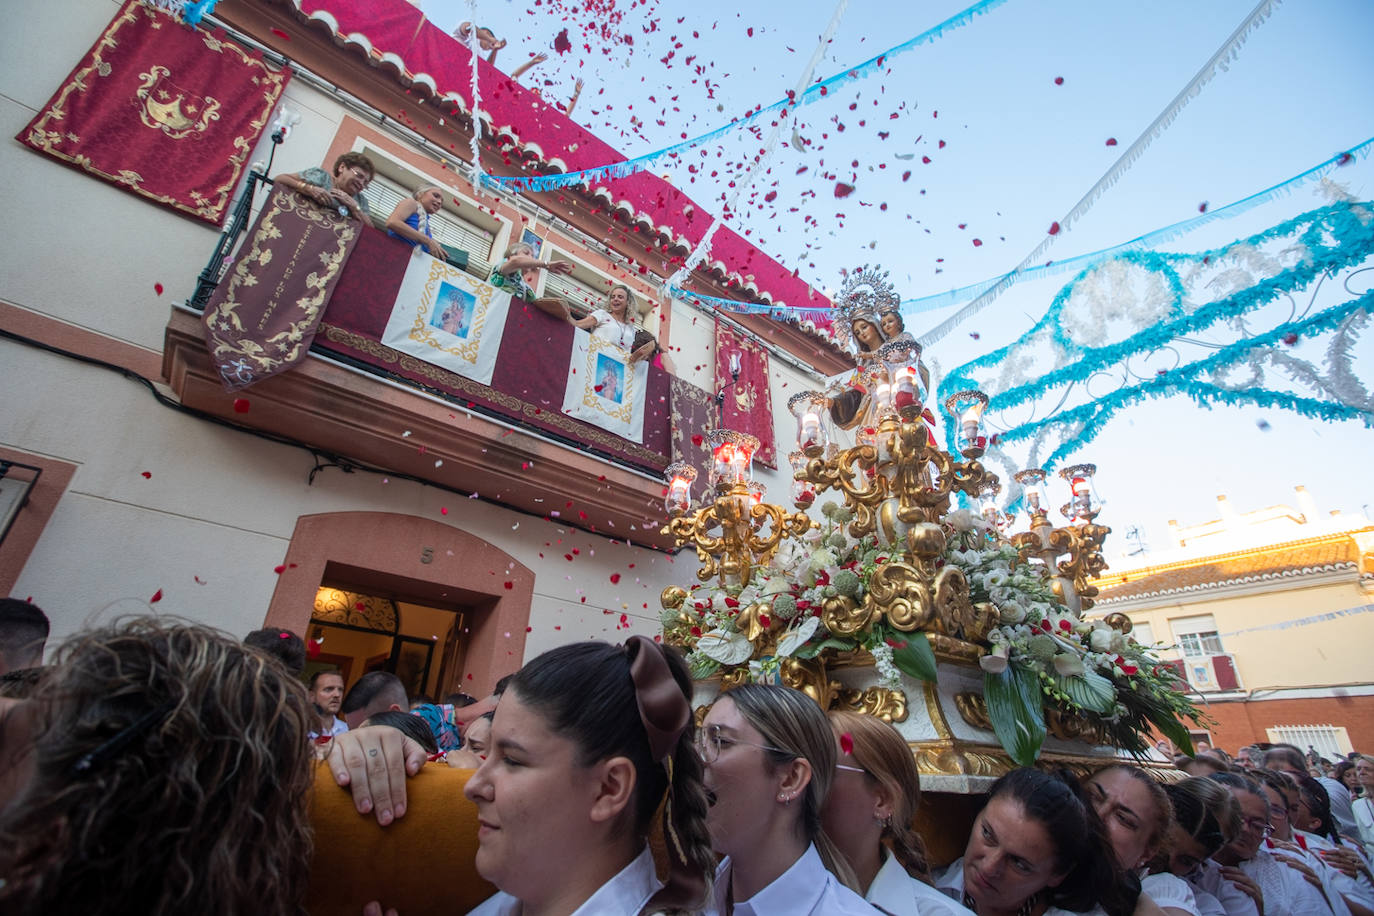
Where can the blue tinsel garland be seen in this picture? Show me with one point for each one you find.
(1334, 237)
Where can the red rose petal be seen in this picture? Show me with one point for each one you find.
(842, 189)
(1202, 207)
(157, 288)
(1290, 338)
(561, 43)
(977, 243)
(279, 569)
(147, 475)
(1059, 80)
(280, 34)
(510, 586)
(443, 510)
(1054, 228)
(1111, 141)
(157, 596)
(241, 405)
(847, 743)
(615, 578)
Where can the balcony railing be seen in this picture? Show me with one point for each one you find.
(507, 441)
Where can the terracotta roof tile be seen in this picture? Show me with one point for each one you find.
(1294, 558)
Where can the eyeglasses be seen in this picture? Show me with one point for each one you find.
(361, 176)
(1254, 823)
(709, 742)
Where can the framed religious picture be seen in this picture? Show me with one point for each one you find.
(534, 241)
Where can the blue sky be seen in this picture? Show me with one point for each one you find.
(1018, 151)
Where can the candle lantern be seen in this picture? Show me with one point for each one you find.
(1083, 504)
(967, 407)
(879, 384)
(1033, 480)
(902, 359)
(756, 491)
(679, 499)
(732, 454)
(809, 409)
(803, 490)
(987, 499)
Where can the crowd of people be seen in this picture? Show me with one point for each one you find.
(157, 766)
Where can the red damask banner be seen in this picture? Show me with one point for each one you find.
(264, 314)
(748, 406)
(161, 109)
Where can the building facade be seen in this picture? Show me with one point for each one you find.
(1270, 615)
(443, 530)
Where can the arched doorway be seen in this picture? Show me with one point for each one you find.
(415, 563)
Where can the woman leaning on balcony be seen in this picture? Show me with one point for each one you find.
(409, 222)
(517, 273)
(616, 323)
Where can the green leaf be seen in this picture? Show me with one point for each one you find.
(915, 658)
(1171, 728)
(1013, 700)
(1090, 691)
(812, 649)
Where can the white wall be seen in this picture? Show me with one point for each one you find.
(216, 516)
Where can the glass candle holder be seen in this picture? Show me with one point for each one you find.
(902, 360)
(732, 455)
(812, 432)
(679, 476)
(967, 408)
(1083, 502)
(1033, 480)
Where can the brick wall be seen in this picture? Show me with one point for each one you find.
(1242, 723)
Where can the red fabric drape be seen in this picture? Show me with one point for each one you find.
(748, 406)
(162, 110)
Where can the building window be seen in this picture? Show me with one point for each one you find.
(1196, 637)
(383, 194)
(1196, 645)
(1327, 740)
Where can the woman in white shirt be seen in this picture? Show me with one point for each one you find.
(770, 760)
(1038, 849)
(869, 812)
(1136, 812)
(616, 322)
(586, 741)
(1206, 818)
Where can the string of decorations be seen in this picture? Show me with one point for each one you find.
(797, 98)
(1323, 241)
(1225, 55)
(1149, 239)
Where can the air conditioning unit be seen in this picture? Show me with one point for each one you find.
(1211, 673)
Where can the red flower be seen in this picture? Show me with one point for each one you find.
(731, 603)
(765, 621)
(1065, 626)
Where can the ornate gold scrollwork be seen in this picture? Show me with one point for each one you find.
(749, 534)
(888, 705)
(845, 617)
(897, 591)
(809, 676)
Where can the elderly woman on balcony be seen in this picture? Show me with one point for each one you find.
(352, 173)
(409, 222)
(517, 273)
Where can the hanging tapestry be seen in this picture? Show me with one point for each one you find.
(748, 406)
(263, 315)
(161, 109)
(604, 388)
(447, 317)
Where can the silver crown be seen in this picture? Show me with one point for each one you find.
(866, 294)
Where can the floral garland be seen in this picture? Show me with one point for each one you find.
(1040, 655)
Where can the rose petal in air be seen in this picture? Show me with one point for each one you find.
(157, 596)
(847, 743)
